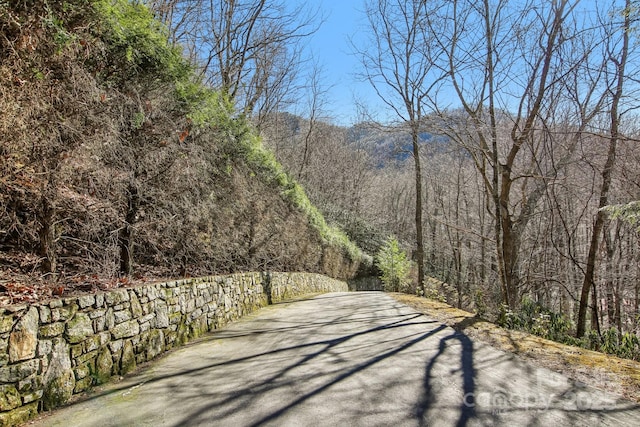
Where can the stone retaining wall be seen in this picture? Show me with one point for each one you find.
(52, 350)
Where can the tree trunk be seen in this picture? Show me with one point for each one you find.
(47, 249)
(611, 294)
(510, 247)
(126, 235)
(607, 172)
(418, 181)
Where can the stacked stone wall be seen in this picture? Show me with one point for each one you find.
(55, 349)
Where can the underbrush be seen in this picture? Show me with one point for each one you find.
(536, 319)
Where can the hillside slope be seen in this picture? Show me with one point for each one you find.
(117, 163)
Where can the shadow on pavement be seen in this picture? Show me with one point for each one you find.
(367, 355)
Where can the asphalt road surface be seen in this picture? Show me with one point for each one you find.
(344, 359)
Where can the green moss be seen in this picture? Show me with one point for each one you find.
(264, 161)
(59, 390)
(79, 328)
(6, 323)
(104, 365)
(51, 330)
(183, 333)
(128, 360)
(19, 415)
(83, 384)
(138, 43)
(9, 398)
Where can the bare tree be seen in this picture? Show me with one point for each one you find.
(617, 52)
(315, 114)
(249, 49)
(399, 67)
(505, 89)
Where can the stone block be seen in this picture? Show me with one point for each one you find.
(62, 314)
(115, 346)
(19, 415)
(125, 329)
(128, 360)
(86, 301)
(200, 301)
(105, 338)
(82, 371)
(9, 398)
(148, 318)
(77, 350)
(56, 303)
(83, 385)
(79, 328)
(59, 380)
(45, 314)
(87, 358)
(19, 371)
(44, 347)
(122, 306)
(195, 314)
(121, 316)
(58, 390)
(135, 340)
(155, 344)
(92, 343)
(51, 330)
(104, 365)
(152, 293)
(100, 324)
(170, 337)
(109, 319)
(116, 297)
(100, 312)
(16, 309)
(136, 308)
(23, 340)
(144, 327)
(32, 397)
(174, 318)
(99, 300)
(34, 382)
(43, 365)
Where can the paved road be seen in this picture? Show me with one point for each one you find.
(344, 359)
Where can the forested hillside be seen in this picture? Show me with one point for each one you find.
(132, 146)
(118, 162)
(524, 198)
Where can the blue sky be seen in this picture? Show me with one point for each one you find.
(332, 49)
(330, 46)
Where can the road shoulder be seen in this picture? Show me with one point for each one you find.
(602, 371)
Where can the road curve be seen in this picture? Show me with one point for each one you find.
(343, 359)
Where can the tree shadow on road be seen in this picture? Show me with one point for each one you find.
(243, 398)
(293, 363)
(363, 324)
(467, 399)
